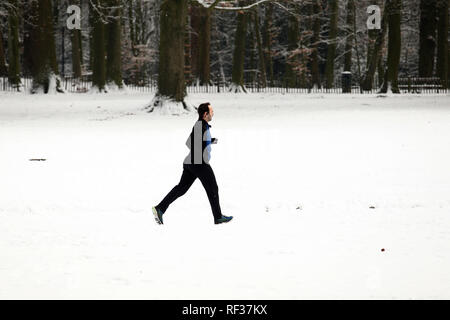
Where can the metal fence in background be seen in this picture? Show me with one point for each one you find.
(411, 85)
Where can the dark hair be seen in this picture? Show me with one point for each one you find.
(204, 107)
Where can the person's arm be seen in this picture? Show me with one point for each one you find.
(188, 142)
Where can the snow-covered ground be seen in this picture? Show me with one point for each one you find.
(299, 174)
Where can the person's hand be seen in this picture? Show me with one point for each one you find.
(214, 140)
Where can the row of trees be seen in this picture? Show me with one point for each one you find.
(270, 42)
(36, 47)
(32, 27)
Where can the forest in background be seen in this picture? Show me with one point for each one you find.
(290, 43)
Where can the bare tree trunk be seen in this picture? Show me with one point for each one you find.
(261, 58)
(76, 53)
(315, 75)
(200, 43)
(29, 32)
(204, 46)
(427, 44)
(380, 67)
(250, 53)
(98, 46)
(131, 23)
(443, 49)
(46, 75)
(80, 41)
(373, 54)
(358, 58)
(187, 52)
(171, 79)
(267, 41)
(171, 47)
(114, 44)
(3, 69)
(139, 22)
(237, 78)
(292, 60)
(219, 56)
(350, 35)
(393, 8)
(331, 52)
(195, 36)
(13, 44)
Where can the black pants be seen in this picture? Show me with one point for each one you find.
(191, 172)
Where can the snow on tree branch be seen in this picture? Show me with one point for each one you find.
(227, 5)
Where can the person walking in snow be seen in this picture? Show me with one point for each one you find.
(196, 165)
